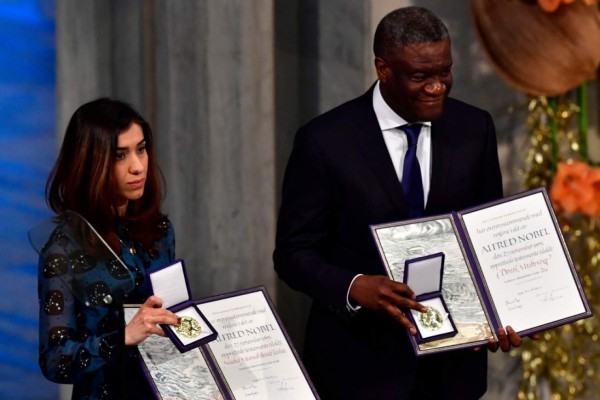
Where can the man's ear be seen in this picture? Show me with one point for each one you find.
(383, 71)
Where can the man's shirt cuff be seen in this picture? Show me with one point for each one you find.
(351, 308)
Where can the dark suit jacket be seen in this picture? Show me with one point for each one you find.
(339, 180)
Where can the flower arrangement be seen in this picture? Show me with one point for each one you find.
(549, 50)
(576, 188)
(567, 358)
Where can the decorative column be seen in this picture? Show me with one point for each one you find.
(214, 102)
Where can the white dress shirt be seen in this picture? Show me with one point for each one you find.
(397, 143)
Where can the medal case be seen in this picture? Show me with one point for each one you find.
(424, 276)
(171, 284)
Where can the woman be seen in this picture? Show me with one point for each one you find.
(106, 172)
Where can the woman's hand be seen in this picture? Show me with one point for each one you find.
(144, 322)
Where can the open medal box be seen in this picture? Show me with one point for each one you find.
(424, 276)
(171, 284)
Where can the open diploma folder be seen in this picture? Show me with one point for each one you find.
(506, 263)
(251, 358)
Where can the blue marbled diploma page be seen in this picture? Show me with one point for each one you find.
(401, 242)
(176, 375)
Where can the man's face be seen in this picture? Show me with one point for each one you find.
(415, 79)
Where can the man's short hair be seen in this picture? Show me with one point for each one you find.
(406, 26)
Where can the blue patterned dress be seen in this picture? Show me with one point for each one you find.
(82, 341)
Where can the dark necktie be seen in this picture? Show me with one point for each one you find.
(412, 184)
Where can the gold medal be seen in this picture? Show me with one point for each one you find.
(431, 319)
(189, 328)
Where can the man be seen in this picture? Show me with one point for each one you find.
(346, 173)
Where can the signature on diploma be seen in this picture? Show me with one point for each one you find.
(285, 385)
(276, 383)
(250, 390)
(551, 295)
(513, 304)
(281, 384)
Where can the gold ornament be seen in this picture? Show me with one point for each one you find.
(566, 358)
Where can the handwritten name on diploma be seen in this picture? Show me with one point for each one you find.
(539, 264)
(254, 356)
(526, 237)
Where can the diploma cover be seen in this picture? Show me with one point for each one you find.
(251, 358)
(506, 263)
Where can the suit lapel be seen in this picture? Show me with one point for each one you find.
(441, 166)
(369, 138)
(370, 141)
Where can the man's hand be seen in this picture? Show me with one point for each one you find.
(144, 322)
(379, 293)
(506, 339)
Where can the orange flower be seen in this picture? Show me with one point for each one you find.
(549, 5)
(568, 187)
(590, 201)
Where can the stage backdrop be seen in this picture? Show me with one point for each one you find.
(27, 147)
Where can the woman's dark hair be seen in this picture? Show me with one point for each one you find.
(81, 177)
